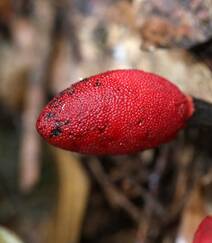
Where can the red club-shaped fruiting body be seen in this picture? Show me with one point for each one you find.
(116, 112)
(204, 231)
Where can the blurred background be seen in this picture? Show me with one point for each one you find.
(52, 196)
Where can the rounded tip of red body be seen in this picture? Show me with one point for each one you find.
(204, 232)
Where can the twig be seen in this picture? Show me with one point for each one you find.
(30, 144)
(114, 196)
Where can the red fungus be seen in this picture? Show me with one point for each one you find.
(116, 112)
(204, 231)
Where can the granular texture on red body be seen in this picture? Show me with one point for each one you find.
(116, 112)
(204, 231)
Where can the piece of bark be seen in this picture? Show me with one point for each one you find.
(175, 23)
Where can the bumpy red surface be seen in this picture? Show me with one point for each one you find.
(116, 112)
(204, 231)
